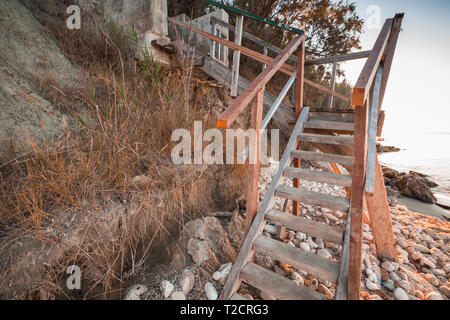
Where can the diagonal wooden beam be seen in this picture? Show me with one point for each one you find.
(380, 218)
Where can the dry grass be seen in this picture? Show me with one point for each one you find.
(107, 196)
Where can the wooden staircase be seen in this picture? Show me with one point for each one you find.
(345, 137)
(326, 269)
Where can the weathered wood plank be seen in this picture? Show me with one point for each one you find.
(299, 259)
(365, 80)
(299, 88)
(325, 157)
(329, 125)
(342, 284)
(313, 198)
(316, 115)
(314, 229)
(392, 44)
(340, 58)
(246, 252)
(278, 286)
(380, 218)
(356, 225)
(320, 138)
(372, 134)
(318, 176)
(253, 167)
(237, 56)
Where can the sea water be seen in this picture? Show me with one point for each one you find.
(427, 153)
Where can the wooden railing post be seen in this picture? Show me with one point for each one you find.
(237, 56)
(333, 85)
(298, 109)
(253, 168)
(356, 220)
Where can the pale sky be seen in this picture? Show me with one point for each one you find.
(418, 94)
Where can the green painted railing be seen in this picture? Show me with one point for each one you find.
(254, 16)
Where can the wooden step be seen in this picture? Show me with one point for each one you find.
(319, 176)
(278, 286)
(325, 157)
(238, 297)
(312, 228)
(347, 116)
(299, 259)
(313, 198)
(329, 125)
(326, 139)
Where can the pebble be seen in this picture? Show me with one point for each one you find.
(426, 262)
(416, 255)
(419, 294)
(445, 290)
(367, 236)
(394, 276)
(223, 272)
(400, 294)
(304, 246)
(325, 291)
(371, 276)
(178, 295)
(439, 272)
(386, 265)
(390, 284)
(375, 297)
(402, 243)
(300, 236)
(271, 229)
(431, 278)
(314, 284)
(404, 285)
(371, 285)
(297, 278)
(324, 253)
(166, 288)
(186, 281)
(135, 292)
(384, 275)
(420, 248)
(210, 291)
(434, 296)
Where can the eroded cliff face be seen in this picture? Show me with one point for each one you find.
(30, 59)
(29, 56)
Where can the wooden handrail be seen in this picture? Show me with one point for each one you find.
(372, 134)
(236, 108)
(365, 80)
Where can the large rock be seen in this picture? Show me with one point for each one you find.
(415, 186)
(207, 236)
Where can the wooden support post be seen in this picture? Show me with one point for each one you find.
(237, 56)
(298, 110)
(380, 218)
(333, 85)
(253, 168)
(356, 225)
(212, 43)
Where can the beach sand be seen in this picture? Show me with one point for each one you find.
(422, 207)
